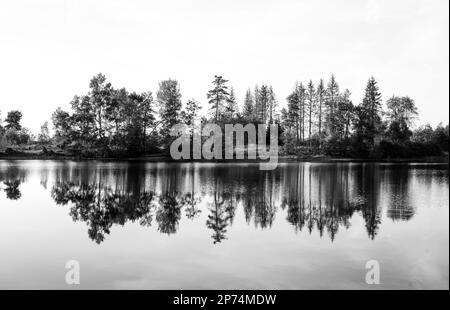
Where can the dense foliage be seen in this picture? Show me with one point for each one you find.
(317, 120)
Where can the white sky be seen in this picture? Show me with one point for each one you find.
(50, 49)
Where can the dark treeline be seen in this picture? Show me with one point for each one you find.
(319, 119)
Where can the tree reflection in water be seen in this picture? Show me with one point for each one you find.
(190, 200)
(101, 207)
(313, 197)
(168, 213)
(11, 180)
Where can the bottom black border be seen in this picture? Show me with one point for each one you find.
(167, 298)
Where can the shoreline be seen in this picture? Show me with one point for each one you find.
(281, 159)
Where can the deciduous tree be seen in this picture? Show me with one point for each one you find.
(169, 99)
(13, 119)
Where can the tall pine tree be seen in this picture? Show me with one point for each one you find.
(293, 113)
(320, 93)
(311, 92)
(231, 108)
(368, 122)
(332, 102)
(273, 105)
(301, 92)
(248, 110)
(218, 95)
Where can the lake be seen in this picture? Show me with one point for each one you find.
(223, 226)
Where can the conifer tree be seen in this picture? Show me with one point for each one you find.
(332, 99)
(273, 105)
(264, 99)
(311, 92)
(369, 113)
(257, 98)
(218, 95)
(293, 114)
(301, 92)
(321, 93)
(248, 110)
(231, 108)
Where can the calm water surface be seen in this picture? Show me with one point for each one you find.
(219, 226)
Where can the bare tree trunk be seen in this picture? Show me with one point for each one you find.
(310, 123)
(320, 121)
(217, 108)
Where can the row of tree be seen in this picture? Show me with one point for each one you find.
(318, 119)
(325, 114)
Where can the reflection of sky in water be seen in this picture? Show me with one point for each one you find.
(161, 225)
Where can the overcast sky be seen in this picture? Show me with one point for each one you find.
(49, 49)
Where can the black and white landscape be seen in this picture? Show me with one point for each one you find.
(266, 144)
